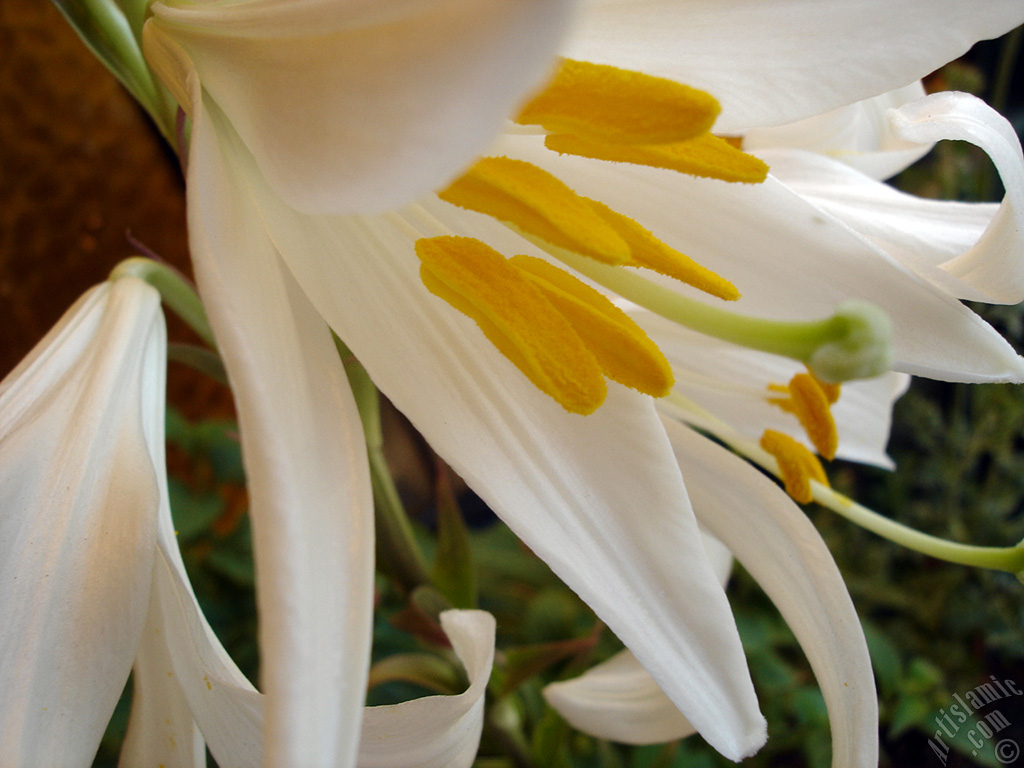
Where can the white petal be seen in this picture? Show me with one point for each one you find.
(311, 504)
(161, 728)
(789, 260)
(360, 106)
(436, 731)
(618, 699)
(774, 63)
(859, 135)
(773, 539)
(184, 680)
(995, 266)
(732, 383)
(79, 494)
(598, 497)
(922, 234)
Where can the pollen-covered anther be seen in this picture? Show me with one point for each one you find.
(562, 334)
(797, 465)
(705, 155)
(622, 349)
(809, 400)
(608, 104)
(539, 204)
(515, 316)
(650, 252)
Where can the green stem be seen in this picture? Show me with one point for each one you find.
(175, 290)
(397, 549)
(852, 343)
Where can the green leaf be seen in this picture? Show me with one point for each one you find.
(193, 513)
(453, 573)
(423, 669)
(105, 30)
(526, 661)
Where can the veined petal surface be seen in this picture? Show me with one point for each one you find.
(780, 548)
(358, 105)
(618, 699)
(859, 135)
(305, 459)
(994, 266)
(771, 63)
(970, 250)
(79, 492)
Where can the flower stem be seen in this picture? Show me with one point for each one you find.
(397, 549)
(175, 290)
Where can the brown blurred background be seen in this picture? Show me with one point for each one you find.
(80, 167)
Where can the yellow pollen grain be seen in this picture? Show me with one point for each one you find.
(515, 316)
(622, 349)
(648, 251)
(811, 406)
(797, 465)
(608, 104)
(706, 155)
(539, 204)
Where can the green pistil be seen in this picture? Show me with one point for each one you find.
(175, 291)
(1010, 559)
(854, 343)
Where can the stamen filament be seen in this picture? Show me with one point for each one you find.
(853, 343)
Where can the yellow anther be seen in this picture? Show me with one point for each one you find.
(515, 316)
(811, 407)
(797, 465)
(809, 399)
(648, 251)
(539, 204)
(621, 347)
(705, 155)
(831, 391)
(604, 103)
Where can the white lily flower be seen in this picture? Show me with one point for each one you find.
(307, 114)
(81, 446)
(782, 550)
